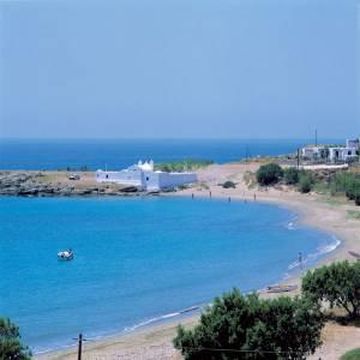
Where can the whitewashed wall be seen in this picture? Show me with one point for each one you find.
(164, 180)
(125, 177)
(146, 180)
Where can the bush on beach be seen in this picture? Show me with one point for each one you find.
(346, 183)
(269, 174)
(229, 185)
(258, 329)
(305, 183)
(291, 176)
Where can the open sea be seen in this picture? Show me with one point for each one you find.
(118, 154)
(137, 261)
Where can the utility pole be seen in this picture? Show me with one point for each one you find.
(80, 340)
(80, 346)
(298, 158)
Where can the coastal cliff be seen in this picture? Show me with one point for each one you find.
(59, 183)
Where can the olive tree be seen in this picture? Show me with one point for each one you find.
(247, 327)
(337, 283)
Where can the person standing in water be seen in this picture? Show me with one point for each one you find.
(300, 260)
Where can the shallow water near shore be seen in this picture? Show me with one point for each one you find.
(137, 260)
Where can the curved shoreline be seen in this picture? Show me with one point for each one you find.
(311, 212)
(192, 310)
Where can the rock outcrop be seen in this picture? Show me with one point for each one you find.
(31, 183)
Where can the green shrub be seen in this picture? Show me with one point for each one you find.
(351, 355)
(269, 174)
(337, 283)
(306, 183)
(291, 176)
(229, 185)
(357, 199)
(349, 184)
(259, 329)
(184, 165)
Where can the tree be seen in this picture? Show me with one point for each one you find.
(269, 174)
(283, 328)
(337, 283)
(11, 347)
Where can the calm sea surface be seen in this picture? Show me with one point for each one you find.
(115, 154)
(137, 260)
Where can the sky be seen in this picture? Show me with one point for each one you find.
(179, 69)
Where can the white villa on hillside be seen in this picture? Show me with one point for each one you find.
(144, 177)
(334, 154)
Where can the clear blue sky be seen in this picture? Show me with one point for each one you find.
(179, 68)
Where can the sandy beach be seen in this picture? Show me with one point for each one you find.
(333, 215)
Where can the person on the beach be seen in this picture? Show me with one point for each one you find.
(192, 195)
(254, 196)
(210, 194)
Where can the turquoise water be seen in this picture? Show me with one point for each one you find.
(137, 260)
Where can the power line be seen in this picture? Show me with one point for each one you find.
(239, 350)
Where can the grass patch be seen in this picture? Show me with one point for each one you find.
(353, 214)
(53, 176)
(351, 355)
(184, 165)
(322, 188)
(334, 200)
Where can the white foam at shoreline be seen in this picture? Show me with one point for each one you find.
(323, 250)
(162, 317)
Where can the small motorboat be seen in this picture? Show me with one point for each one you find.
(65, 255)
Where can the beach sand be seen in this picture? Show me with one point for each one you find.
(327, 214)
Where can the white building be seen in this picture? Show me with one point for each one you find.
(342, 154)
(143, 176)
(353, 143)
(315, 152)
(329, 153)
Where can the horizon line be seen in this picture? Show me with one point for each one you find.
(176, 138)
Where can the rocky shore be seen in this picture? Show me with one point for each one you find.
(59, 183)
